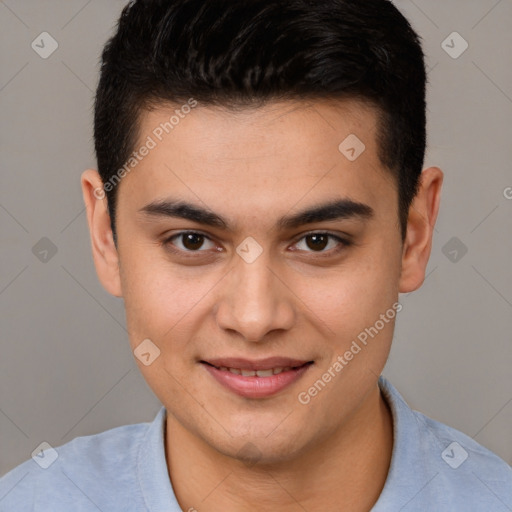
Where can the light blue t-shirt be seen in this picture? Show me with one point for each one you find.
(434, 468)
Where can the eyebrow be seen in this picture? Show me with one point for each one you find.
(337, 209)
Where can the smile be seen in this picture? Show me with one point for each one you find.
(257, 373)
(256, 383)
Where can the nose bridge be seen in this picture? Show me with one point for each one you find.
(255, 301)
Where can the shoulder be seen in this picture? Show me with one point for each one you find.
(465, 462)
(437, 467)
(89, 470)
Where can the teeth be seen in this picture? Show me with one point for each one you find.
(264, 373)
(258, 373)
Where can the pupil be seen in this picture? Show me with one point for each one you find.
(315, 245)
(193, 241)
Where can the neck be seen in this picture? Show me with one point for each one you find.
(347, 471)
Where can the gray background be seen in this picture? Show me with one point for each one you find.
(66, 369)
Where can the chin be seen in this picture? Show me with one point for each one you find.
(264, 450)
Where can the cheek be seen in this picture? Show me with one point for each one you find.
(350, 299)
(165, 303)
(153, 301)
(163, 307)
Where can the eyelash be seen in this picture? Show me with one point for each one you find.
(344, 243)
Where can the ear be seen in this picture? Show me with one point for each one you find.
(420, 227)
(104, 251)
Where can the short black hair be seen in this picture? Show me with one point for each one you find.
(237, 54)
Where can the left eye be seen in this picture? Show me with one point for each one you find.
(319, 241)
(192, 241)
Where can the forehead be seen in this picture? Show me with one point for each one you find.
(278, 126)
(261, 158)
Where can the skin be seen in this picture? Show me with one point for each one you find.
(295, 300)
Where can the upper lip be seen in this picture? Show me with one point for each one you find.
(261, 364)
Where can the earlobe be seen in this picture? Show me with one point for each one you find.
(104, 251)
(420, 227)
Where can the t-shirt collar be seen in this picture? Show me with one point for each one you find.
(398, 489)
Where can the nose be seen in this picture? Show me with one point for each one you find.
(255, 301)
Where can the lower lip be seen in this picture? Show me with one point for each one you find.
(256, 387)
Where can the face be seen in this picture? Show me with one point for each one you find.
(239, 278)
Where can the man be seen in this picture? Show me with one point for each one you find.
(260, 204)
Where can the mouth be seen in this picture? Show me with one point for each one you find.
(256, 379)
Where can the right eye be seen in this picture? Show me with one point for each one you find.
(191, 241)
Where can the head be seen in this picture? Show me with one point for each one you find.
(260, 194)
